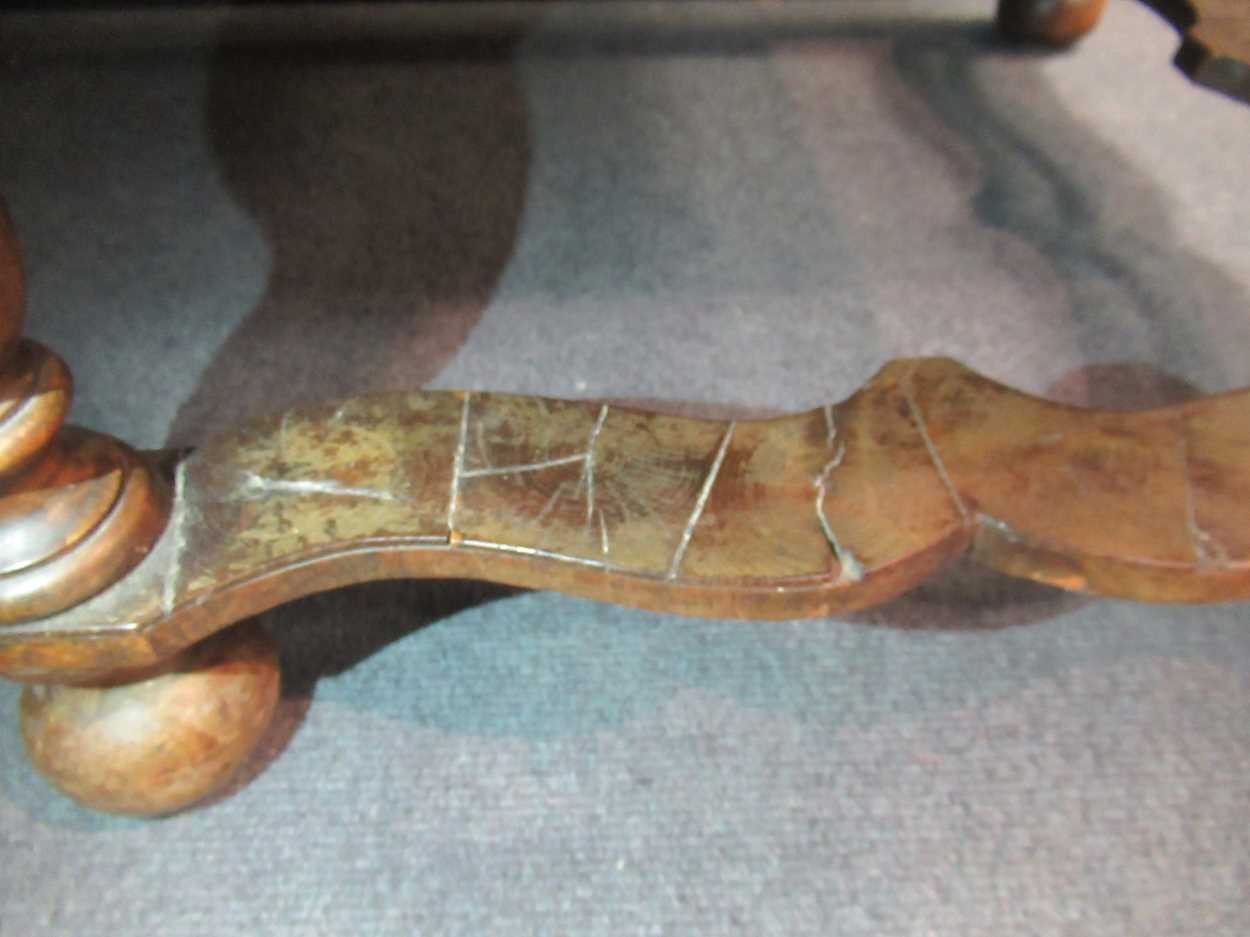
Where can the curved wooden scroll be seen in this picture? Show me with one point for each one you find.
(805, 515)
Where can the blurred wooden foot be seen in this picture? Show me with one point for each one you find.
(1051, 22)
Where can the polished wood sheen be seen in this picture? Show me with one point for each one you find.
(813, 514)
(158, 742)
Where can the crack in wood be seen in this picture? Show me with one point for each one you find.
(523, 467)
(935, 457)
(457, 469)
(588, 467)
(704, 493)
(831, 427)
(850, 569)
(534, 552)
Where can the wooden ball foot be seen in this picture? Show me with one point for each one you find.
(160, 741)
(1051, 22)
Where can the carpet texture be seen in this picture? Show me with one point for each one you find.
(723, 221)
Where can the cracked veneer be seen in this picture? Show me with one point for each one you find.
(524, 467)
(704, 493)
(850, 569)
(457, 469)
(922, 427)
(588, 468)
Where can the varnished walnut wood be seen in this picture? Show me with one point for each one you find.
(807, 515)
(77, 509)
(159, 742)
(1053, 22)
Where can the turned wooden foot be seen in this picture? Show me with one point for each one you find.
(1053, 22)
(159, 743)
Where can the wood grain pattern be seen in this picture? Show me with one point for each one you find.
(807, 515)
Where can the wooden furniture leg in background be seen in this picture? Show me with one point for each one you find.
(1052, 22)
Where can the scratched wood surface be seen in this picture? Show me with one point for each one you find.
(806, 515)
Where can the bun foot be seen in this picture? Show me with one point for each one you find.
(1051, 22)
(153, 743)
